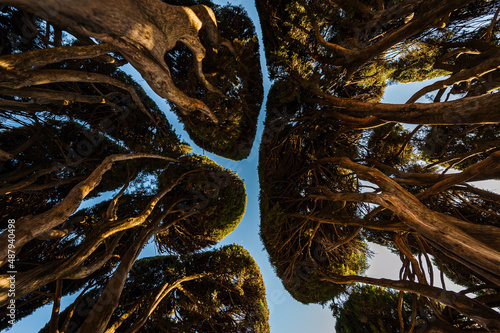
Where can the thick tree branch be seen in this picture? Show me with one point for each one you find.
(434, 226)
(98, 318)
(9, 105)
(481, 313)
(54, 319)
(39, 58)
(143, 32)
(30, 227)
(492, 63)
(53, 95)
(474, 110)
(487, 166)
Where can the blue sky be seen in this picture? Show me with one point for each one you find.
(286, 314)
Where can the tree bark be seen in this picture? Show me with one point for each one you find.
(432, 225)
(98, 318)
(30, 227)
(38, 58)
(54, 95)
(487, 166)
(141, 30)
(490, 64)
(473, 110)
(162, 293)
(427, 14)
(70, 268)
(54, 319)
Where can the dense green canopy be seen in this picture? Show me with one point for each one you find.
(338, 168)
(89, 131)
(92, 171)
(215, 291)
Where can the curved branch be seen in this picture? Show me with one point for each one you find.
(38, 58)
(142, 33)
(487, 166)
(428, 223)
(346, 53)
(164, 291)
(30, 227)
(485, 67)
(481, 313)
(492, 25)
(483, 109)
(54, 95)
(101, 312)
(9, 105)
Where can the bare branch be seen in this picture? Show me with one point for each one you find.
(38, 58)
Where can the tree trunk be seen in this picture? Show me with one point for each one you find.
(160, 295)
(70, 268)
(38, 58)
(98, 318)
(434, 226)
(141, 30)
(427, 15)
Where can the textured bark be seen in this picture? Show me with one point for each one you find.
(22, 106)
(53, 95)
(54, 319)
(487, 166)
(474, 110)
(413, 178)
(6, 189)
(71, 268)
(160, 295)
(141, 30)
(98, 318)
(437, 227)
(38, 58)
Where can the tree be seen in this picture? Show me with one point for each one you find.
(374, 309)
(240, 89)
(371, 309)
(294, 228)
(336, 51)
(236, 71)
(308, 174)
(196, 204)
(51, 165)
(218, 290)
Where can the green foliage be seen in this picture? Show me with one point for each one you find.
(40, 148)
(370, 309)
(385, 144)
(205, 205)
(237, 75)
(415, 63)
(303, 250)
(229, 296)
(210, 201)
